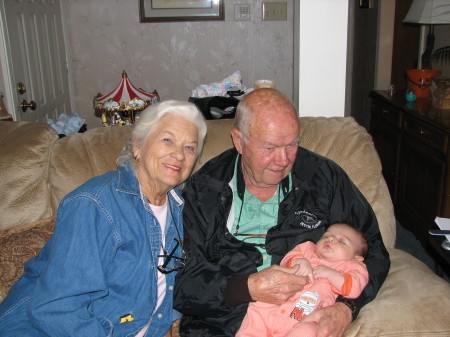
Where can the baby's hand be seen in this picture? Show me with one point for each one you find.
(333, 276)
(305, 268)
(324, 272)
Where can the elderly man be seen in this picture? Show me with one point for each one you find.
(246, 208)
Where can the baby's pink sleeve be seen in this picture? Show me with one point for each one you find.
(356, 278)
(303, 250)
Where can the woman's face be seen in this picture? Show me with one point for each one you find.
(168, 155)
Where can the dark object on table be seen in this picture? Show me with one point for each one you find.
(82, 129)
(216, 107)
(235, 92)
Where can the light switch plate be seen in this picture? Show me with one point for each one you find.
(241, 12)
(274, 11)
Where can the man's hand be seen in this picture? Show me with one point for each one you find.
(275, 284)
(331, 321)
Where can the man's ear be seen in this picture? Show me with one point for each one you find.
(238, 139)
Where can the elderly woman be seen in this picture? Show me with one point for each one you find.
(109, 268)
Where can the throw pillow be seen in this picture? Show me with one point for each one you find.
(17, 246)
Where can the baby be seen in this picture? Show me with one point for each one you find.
(334, 266)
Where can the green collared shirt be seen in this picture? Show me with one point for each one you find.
(255, 217)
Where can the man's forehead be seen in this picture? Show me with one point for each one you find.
(273, 140)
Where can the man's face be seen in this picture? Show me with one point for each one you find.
(270, 150)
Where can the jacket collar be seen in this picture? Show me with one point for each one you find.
(128, 182)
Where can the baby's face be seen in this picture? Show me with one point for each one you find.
(340, 242)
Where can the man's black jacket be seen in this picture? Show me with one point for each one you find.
(321, 194)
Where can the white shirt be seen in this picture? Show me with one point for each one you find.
(161, 215)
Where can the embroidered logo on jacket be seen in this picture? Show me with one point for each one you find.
(308, 220)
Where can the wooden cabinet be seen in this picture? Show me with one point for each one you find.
(412, 140)
(385, 129)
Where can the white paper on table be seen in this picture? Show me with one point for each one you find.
(444, 224)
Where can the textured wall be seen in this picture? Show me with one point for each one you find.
(175, 57)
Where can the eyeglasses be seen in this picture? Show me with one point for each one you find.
(246, 236)
(177, 262)
(252, 237)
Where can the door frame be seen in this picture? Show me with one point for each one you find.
(10, 93)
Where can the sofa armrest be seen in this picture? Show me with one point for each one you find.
(413, 301)
(25, 150)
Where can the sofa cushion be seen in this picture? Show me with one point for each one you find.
(218, 139)
(348, 144)
(81, 156)
(394, 312)
(17, 246)
(24, 151)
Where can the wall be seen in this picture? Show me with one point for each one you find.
(386, 19)
(321, 57)
(107, 38)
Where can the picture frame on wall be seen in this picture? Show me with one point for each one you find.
(180, 10)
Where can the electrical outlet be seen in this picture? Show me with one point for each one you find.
(274, 11)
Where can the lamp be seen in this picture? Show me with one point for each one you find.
(430, 12)
(122, 105)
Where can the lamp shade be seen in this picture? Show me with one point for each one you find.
(429, 12)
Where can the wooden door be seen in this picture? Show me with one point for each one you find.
(37, 60)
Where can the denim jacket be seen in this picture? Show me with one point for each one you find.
(99, 267)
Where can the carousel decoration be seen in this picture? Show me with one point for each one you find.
(123, 105)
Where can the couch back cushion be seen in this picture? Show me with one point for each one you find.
(24, 152)
(43, 169)
(81, 156)
(348, 144)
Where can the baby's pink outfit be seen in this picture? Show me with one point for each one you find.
(264, 319)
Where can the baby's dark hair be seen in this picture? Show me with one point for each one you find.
(364, 244)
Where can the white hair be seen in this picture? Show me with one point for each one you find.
(149, 119)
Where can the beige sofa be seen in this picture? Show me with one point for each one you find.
(38, 169)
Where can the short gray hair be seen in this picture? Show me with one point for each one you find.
(255, 101)
(243, 118)
(149, 119)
